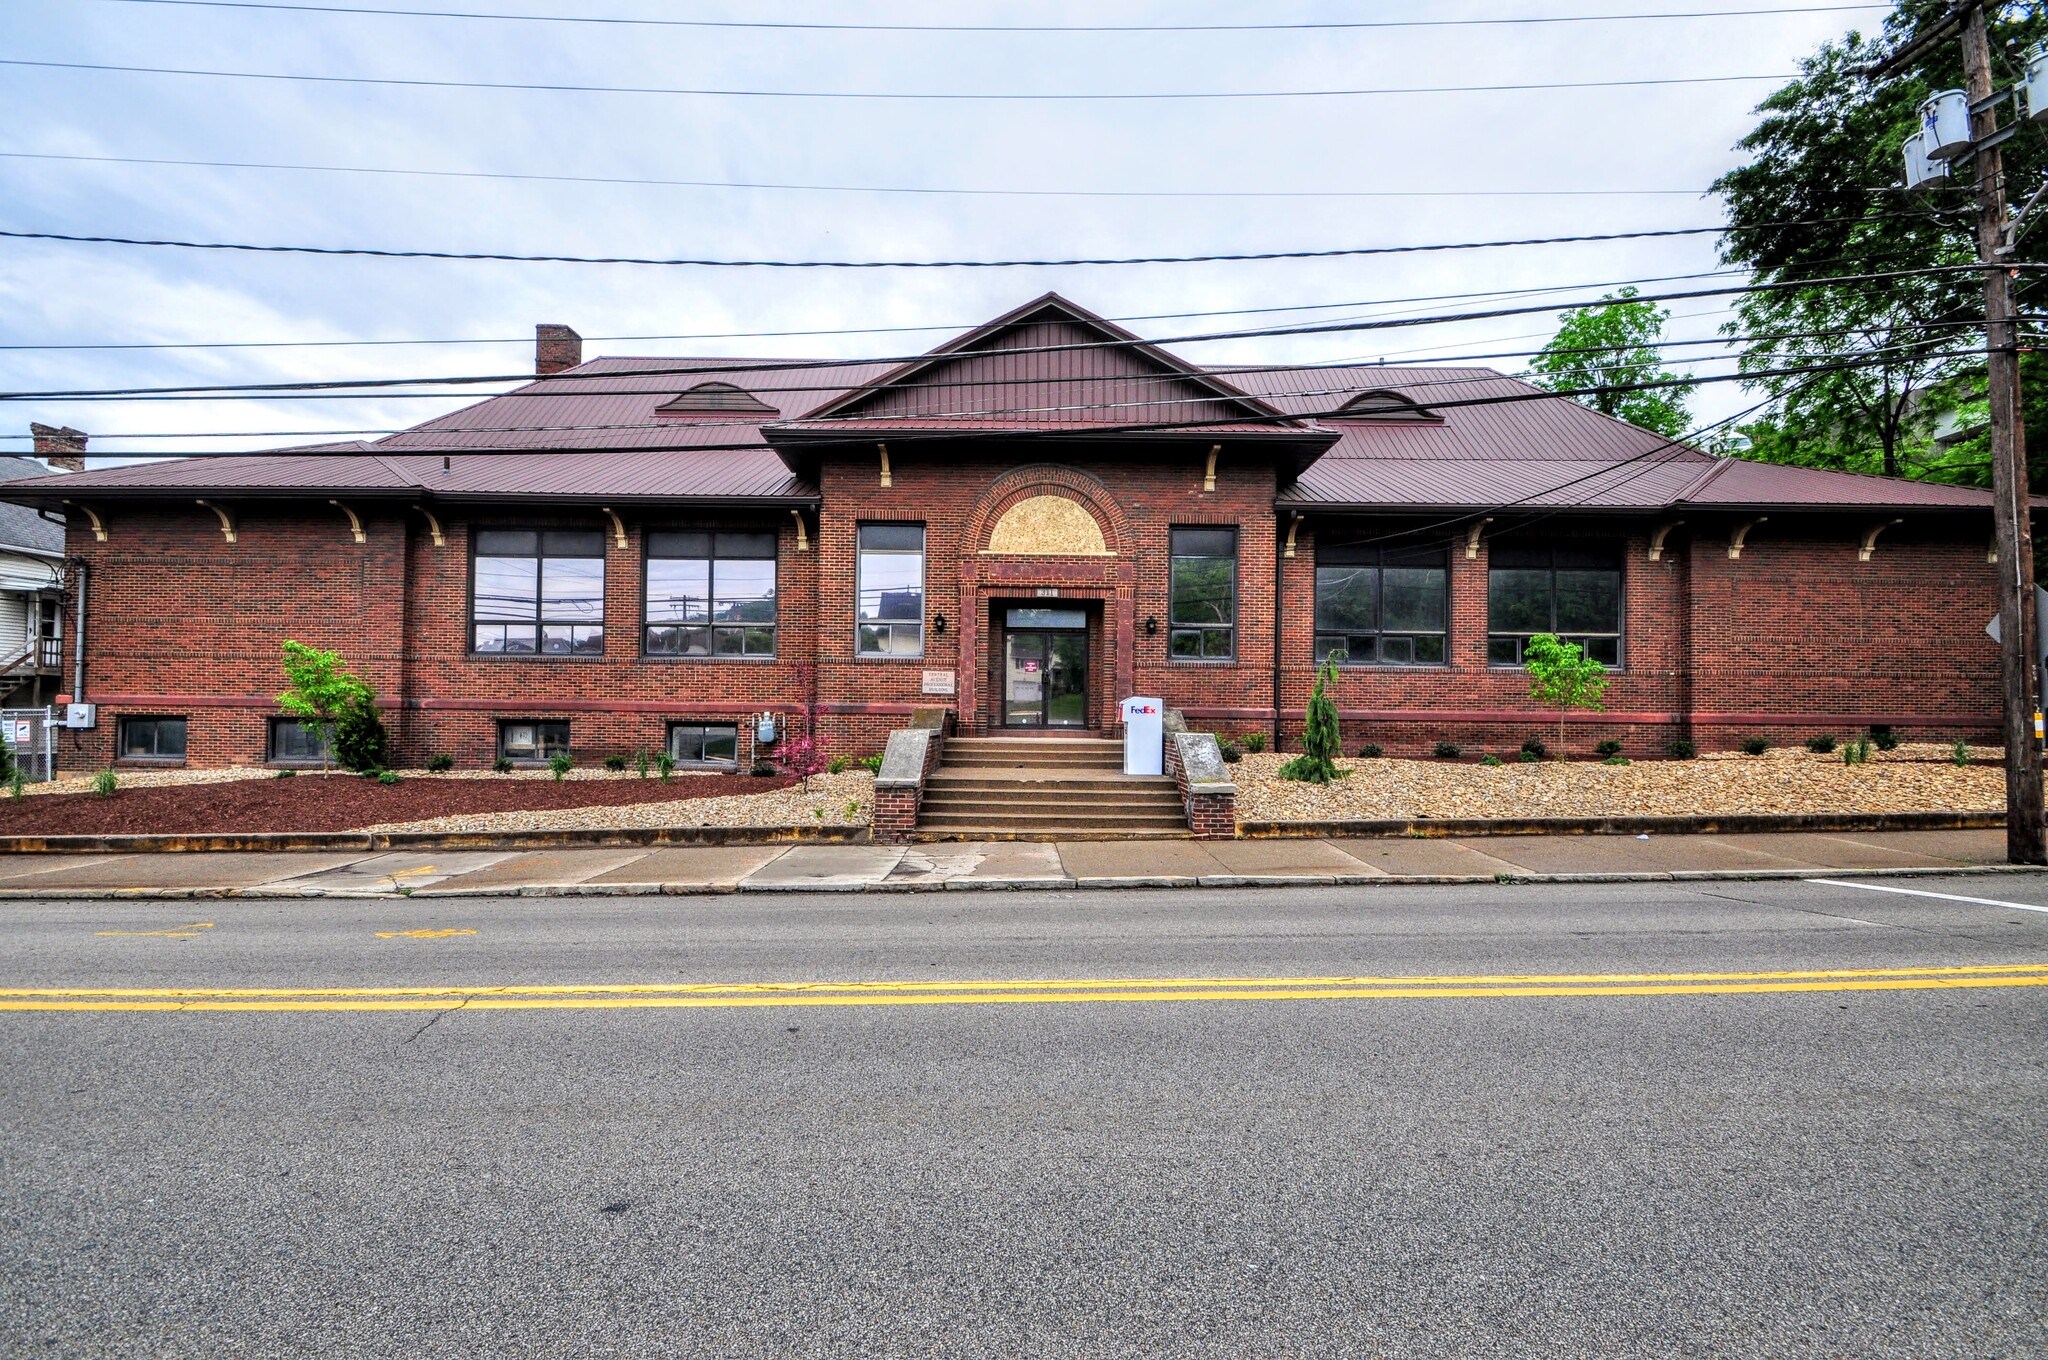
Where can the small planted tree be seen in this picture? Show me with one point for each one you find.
(1561, 673)
(322, 692)
(1321, 742)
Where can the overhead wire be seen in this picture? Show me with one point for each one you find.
(1223, 371)
(1338, 252)
(1093, 432)
(843, 27)
(899, 96)
(537, 386)
(951, 191)
(954, 328)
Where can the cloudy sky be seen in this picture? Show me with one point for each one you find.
(1334, 172)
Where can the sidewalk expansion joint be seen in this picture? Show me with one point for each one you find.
(1027, 884)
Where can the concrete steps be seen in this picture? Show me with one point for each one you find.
(1049, 753)
(1011, 788)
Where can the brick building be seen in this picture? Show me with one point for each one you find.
(1025, 525)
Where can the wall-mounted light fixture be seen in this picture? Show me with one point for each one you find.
(1151, 625)
(938, 623)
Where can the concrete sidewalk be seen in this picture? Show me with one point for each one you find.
(997, 864)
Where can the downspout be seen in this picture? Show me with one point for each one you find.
(78, 642)
(1279, 561)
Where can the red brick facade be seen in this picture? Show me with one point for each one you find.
(1795, 637)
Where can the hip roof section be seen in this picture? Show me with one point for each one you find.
(1356, 437)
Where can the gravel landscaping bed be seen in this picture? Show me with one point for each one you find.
(1914, 778)
(832, 800)
(223, 801)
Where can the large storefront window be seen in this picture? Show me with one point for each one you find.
(538, 592)
(1203, 595)
(1382, 606)
(710, 594)
(1570, 589)
(889, 598)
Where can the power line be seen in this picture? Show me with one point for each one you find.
(954, 328)
(1161, 378)
(1090, 432)
(898, 96)
(865, 188)
(1225, 258)
(540, 386)
(1013, 28)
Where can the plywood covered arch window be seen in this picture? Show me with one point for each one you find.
(1048, 526)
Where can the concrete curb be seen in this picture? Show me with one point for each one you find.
(958, 884)
(1730, 824)
(628, 837)
(660, 837)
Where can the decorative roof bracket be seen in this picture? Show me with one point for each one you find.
(1209, 476)
(433, 526)
(355, 523)
(886, 481)
(1293, 528)
(227, 521)
(803, 544)
(1735, 539)
(1869, 544)
(1657, 538)
(99, 528)
(618, 528)
(1472, 538)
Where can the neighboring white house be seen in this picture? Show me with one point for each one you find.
(31, 598)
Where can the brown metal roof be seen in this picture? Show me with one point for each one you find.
(596, 433)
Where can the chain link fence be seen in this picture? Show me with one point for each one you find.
(31, 737)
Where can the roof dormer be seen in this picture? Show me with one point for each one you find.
(1383, 403)
(715, 398)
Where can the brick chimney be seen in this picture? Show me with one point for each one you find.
(555, 348)
(62, 447)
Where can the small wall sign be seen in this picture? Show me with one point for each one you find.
(940, 682)
(1047, 592)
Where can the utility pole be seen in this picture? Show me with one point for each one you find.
(2026, 830)
(1949, 134)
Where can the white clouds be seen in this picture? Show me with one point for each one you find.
(1658, 138)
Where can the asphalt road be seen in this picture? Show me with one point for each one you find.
(1808, 1166)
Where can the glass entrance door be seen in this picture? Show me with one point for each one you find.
(1045, 671)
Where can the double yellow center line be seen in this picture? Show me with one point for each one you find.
(1014, 992)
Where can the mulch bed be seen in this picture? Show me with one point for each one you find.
(333, 802)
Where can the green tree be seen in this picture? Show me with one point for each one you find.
(322, 691)
(1613, 343)
(1321, 741)
(1561, 673)
(1825, 155)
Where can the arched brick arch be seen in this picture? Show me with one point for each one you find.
(1050, 479)
(1107, 580)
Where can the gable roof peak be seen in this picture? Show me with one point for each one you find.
(1046, 306)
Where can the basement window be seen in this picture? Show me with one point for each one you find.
(525, 740)
(294, 741)
(153, 739)
(704, 744)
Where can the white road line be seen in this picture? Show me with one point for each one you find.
(1916, 892)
